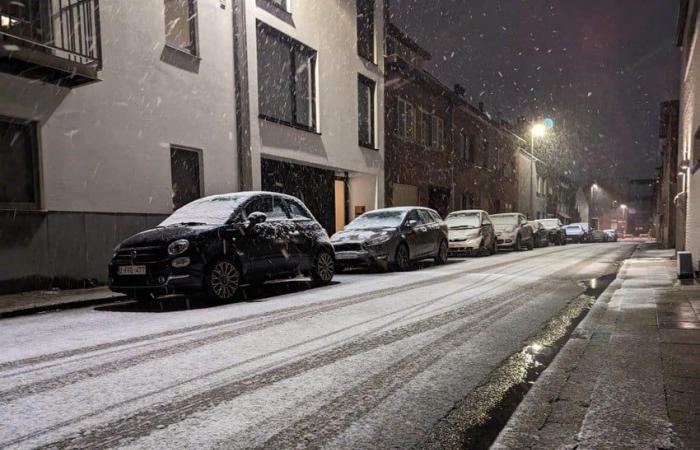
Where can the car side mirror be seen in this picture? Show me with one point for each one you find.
(256, 218)
(412, 223)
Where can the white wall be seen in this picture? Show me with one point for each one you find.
(329, 27)
(524, 171)
(689, 123)
(105, 147)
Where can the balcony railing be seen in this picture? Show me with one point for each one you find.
(58, 35)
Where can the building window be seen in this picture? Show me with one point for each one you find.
(18, 164)
(406, 120)
(465, 146)
(424, 128)
(486, 160)
(437, 135)
(286, 79)
(365, 105)
(365, 29)
(469, 201)
(181, 25)
(185, 172)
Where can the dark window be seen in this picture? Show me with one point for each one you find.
(18, 164)
(365, 29)
(286, 79)
(184, 165)
(181, 24)
(281, 3)
(425, 216)
(436, 133)
(365, 105)
(406, 120)
(271, 206)
(466, 147)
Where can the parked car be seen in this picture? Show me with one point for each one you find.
(612, 234)
(392, 238)
(471, 232)
(555, 229)
(574, 233)
(216, 244)
(599, 236)
(587, 237)
(540, 234)
(513, 231)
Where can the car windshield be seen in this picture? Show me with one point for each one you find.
(463, 220)
(206, 211)
(573, 228)
(505, 219)
(378, 219)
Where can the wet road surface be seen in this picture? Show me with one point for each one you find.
(373, 361)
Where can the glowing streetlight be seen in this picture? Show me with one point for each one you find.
(538, 130)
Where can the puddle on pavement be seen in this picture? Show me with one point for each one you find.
(475, 421)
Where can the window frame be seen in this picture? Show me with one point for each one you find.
(371, 57)
(295, 47)
(33, 132)
(372, 85)
(193, 12)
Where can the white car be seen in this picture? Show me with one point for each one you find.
(575, 233)
(513, 231)
(471, 232)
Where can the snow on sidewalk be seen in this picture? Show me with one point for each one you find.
(36, 301)
(629, 377)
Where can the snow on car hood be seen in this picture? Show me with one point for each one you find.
(164, 235)
(507, 228)
(360, 235)
(463, 234)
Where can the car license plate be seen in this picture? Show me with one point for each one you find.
(345, 256)
(132, 270)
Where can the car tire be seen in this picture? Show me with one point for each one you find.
(494, 248)
(222, 280)
(442, 254)
(402, 259)
(531, 243)
(323, 268)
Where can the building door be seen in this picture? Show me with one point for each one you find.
(313, 186)
(439, 199)
(340, 205)
(185, 171)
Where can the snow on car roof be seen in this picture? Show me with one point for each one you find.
(245, 194)
(470, 211)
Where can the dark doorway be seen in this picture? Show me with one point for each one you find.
(187, 185)
(439, 199)
(313, 186)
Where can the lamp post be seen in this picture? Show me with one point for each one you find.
(594, 187)
(538, 130)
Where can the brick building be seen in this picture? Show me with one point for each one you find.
(667, 190)
(440, 151)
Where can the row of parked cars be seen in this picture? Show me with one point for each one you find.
(217, 244)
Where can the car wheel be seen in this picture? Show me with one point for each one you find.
(323, 269)
(494, 248)
(441, 257)
(222, 281)
(531, 243)
(518, 244)
(402, 260)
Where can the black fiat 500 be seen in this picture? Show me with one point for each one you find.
(215, 244)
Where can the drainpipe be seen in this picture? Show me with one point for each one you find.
(242, 96)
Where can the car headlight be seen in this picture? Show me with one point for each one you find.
(116, 250)
(378, 240)
(178, 247)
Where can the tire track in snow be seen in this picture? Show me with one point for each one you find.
(143, 422)
(341, 302)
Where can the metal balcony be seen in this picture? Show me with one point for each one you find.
(56, 41)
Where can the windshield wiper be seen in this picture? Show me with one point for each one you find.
(463, 227)
(186, 224)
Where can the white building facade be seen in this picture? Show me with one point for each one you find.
(688, 200)
(105, 131)
(311, 109)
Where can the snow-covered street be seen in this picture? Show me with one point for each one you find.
(373, 361)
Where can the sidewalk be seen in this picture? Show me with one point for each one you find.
(629, 377)
(39, 301)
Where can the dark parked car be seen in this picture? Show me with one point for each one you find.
(540, 234)
(598, 236)
(555, 228)
(471, 232)
(612, 235)
(513, 231)
(392, 237)
(216, 244)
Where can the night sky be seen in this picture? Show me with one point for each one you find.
(599, 68)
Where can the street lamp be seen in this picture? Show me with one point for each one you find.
(594, 187)
(538, 130)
